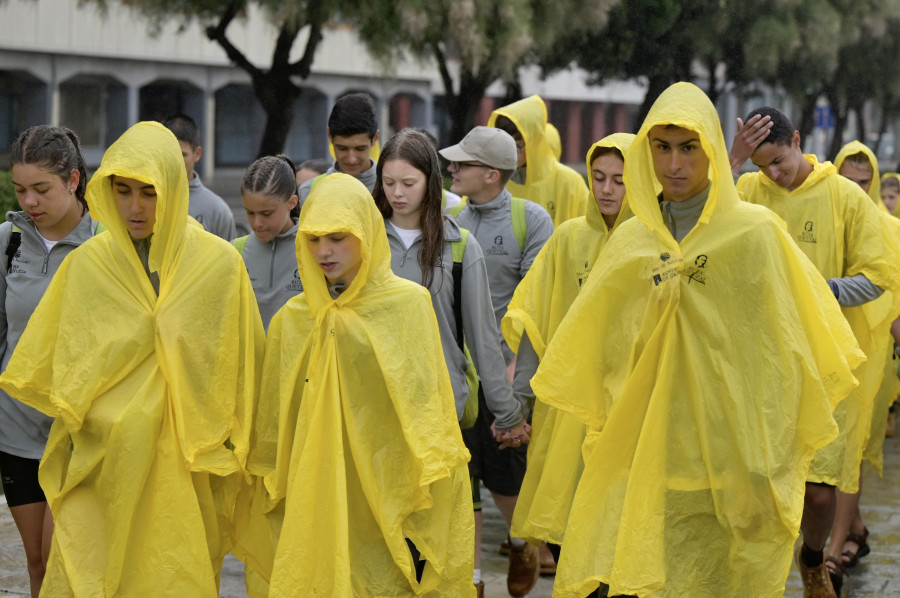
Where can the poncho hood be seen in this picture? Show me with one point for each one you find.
(856, 147)
(147, 152)
(340, 203)
(530, 117)
(684, 105)
(622, 142)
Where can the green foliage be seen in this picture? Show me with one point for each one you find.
(7, 193)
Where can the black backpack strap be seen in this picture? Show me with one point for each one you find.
(15, 239)
(457, 302)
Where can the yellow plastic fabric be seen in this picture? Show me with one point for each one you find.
(554, 140)
(839, 228)
(358, 420)
(713, 386)
(538, 306)
(152, 396)
(857, 147)
(554, 186)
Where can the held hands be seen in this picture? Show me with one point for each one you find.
(747, 137)
(516, 436)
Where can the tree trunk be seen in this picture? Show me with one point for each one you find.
(277, 95)
(882, 126)
(807, 114)
(464, 106)
(840, 122)
(858, 112)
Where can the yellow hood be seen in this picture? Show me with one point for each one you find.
(684, 105)
(856, 147)
(622, 142)
(530, 117)
(147, 152)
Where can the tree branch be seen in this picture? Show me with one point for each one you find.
(217, 34)
(445, 72)
(316, 15)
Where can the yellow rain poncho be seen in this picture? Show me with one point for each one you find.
(844, 234)
(366, 446)
(712, 367)
(857, 147)
(152, 395)
(881, 359)
(538, 306)
(553, 186)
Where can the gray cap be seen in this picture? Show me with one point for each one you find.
(490, 146)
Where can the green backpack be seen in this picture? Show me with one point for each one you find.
(470, 411)
(240, 243)
(517, 211)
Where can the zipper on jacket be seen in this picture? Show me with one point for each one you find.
(46, 265)
(405, 253)
(272, 263)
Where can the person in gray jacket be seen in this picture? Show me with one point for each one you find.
(268, 194)
(421, 238)
(481, 164)
(49, 177)
(204, 206)
(352, 132)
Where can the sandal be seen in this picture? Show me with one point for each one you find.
(836, 572)
(851, 559)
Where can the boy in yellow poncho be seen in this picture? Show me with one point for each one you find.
(144, 348)
(539, 176)
(710, 354)
(538, 306)
(358, 420)
(849, 240)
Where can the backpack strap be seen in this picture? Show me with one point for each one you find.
(15, 240)
(240, 243)
(520, 225)
(455, 210)
(459, 251)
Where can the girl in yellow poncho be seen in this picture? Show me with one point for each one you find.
(369, 463)
(712, 366)
(538, 306)
(144, 349)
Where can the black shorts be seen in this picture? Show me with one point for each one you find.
(501, 471)
(20, 480)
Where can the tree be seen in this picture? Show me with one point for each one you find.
(274, 86)
(473, 42)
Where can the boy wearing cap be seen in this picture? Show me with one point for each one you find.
(481, 165)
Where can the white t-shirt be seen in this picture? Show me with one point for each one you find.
(407, 236)
(47, 243)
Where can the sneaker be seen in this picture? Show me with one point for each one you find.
(524, 569)
(816, 581)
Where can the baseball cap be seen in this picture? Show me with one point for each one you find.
(488, 145)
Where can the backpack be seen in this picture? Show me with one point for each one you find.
(517, 211)
(240, 243)
(470, 411)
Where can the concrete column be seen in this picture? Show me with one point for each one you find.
(209, 135)
(132, 106)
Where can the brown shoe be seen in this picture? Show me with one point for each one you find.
(816, 581)
(504, 547)
(524, 569)
(548, 563)
(479, 589)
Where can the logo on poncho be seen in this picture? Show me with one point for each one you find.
(697, 272)
(809, 234)
(664, 256)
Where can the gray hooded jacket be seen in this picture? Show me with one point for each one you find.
(273, 271)
(366, 177)
(479, 327)
(210, 210)
(25, 430)
(491, 223)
